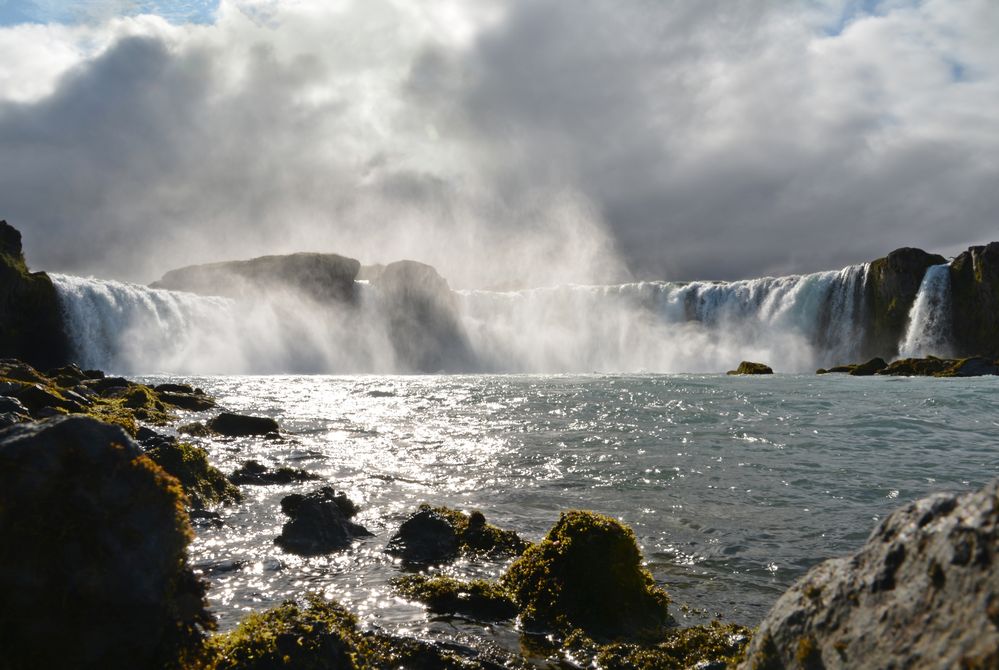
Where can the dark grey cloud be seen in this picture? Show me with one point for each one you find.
(544, 141)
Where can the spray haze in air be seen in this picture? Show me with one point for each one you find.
(514, 143)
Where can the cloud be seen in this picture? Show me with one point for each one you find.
(530, 141)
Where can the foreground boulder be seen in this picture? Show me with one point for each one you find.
(93, 564)
(31, 325)
(587, 574)
(439, 534)
(922, 592)
(241, 425)
(320, 523)
(750, 368)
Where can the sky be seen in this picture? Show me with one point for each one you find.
(506, 142)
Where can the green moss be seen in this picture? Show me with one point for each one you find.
(322, 635)
(115, 413)
(681, 648)
(203, 483)
(477, 537)
(446, 595)
(587, 573)
(808, 654)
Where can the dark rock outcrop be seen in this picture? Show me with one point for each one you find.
(422, 318)
(436, 535)
(922, 592)
(750, 368)
(195, 402)
(932, 366)
(258, 474)
(974, 288)
(425, 538)
(867, 369)
(241, 425)
(320, 523)
(93, 564)
(322, 277)
(892, 285)
(31, 324)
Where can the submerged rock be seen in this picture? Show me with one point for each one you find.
(241, 425)
(587, 574)
(439, 534)
(480, 599)
(323, 635)
(922, 592)
(93, 565)
(256, 473)
(750, 368)
(195, 402)
(320, 523)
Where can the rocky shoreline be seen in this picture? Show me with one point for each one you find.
(102, 512)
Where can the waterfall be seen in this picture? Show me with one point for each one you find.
(929, 332)
(794, 323)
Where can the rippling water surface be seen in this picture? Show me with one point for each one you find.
(734, 485)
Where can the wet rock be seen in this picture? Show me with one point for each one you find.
(8, 404)
(241, 425)
(37, 397)
(439, 534)
(104, 385)
(750, 368)
(190, 401)
(478, 599)
(203, 483)
(195, 429)
(869, 368)
(971, 367)
(66, 376)
(93, 566)
(922, 592)
(427, 537)
(587, 574)
(174, 388)
(320, 523)
(256, 473)
(917, 367)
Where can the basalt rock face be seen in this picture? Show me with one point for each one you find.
(422, 317)
(891, 288)
(322, 277)
(31, 325)
(923, 592)
(974, 281)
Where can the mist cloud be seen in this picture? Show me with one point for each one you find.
(526, 141)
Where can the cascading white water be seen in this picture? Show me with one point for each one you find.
(130, 328)
(793, 323)
(929, 331)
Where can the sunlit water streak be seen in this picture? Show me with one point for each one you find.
(734, 486)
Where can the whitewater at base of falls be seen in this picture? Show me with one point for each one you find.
(929, 331)
(794, 323)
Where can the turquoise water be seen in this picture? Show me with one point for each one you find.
(734, 485)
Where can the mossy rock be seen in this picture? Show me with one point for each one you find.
(257, 474)
(715, 645)
(439, 534)
(316, 637)
(587, 574)
(322, 635)
(917, 367)
(750, 368)
(203, 483)
(93, 564)
(479, 599)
